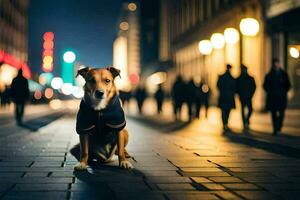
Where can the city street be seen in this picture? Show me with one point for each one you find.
(173, 161)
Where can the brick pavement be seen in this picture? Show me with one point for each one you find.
(183, 164)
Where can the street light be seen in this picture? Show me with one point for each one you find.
(294, 53)
(56, 83)
(205, 47)
(231, 35)
(69, 57)
(217, 40)
(249, 27)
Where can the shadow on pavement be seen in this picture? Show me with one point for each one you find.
(251, 140)
(37, 123)
(160, 124)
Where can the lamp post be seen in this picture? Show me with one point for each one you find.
(205, 48)
(248, 27)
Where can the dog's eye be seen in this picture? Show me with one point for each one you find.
(107, 81)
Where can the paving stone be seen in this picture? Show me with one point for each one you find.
(132, 187)
(139, 196)
(47, 164)
(44, 180)
(203, 174)
(4, 187)
(227, 195)
(161, 173)
(229, 179)
(40, 187)
(175, 186)
(200, 180)
(210, 169)
(168, 179)
(11, 175)
(35, 195)
(192, 196)
(213, 186)
(240, 186)
(36, 174)
(257, 195)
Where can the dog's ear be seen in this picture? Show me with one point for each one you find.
(83, 72)
(114, 71)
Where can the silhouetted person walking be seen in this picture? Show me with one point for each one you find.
(159, 97)
(245, 89)
(276, 85)
(227, 87)
(191, 98)
(20, 93)
(140, 96)
(178, 96)
(205, 97)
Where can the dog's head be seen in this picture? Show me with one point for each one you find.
(99, 86)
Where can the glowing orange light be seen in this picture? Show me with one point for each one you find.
(48, 45)
(47, 52)
(48, 36)
(134, 78)
(37, 95)
(48, 93)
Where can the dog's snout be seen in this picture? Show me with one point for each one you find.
(99, 94)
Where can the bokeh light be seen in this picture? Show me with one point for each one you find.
(217, 40)
(78, 92)
(132, 6)
(37, 95)
(55, 104)
(69, 57)
(294, 53)
(67, 88)
(49, 93)
(124, 26)
(56, 83)
(249, 26)
(205, 47)
(231, 35)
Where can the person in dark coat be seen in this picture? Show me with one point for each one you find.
(178, 96)
(191, 98)
(20, 93)
(227, 87)
(276, 85)
(245, 89)
(159, 97)
(140, 96)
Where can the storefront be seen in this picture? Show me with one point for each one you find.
(284, 29)
(9, 66)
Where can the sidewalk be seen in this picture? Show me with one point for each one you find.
(260, 127)
(178, 165)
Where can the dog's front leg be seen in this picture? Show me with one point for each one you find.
(122, 141)
(84, 152)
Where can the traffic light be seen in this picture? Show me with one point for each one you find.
(69, 58)
(48, 46)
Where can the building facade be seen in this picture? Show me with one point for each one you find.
(240, 40)
(13, 40)
(126, 47)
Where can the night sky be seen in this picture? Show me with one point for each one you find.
(86, 26)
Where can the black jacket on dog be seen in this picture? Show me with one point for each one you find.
(110, 119)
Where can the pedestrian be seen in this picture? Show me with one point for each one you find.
(140, 96)
(159, 97)
(20, 93)
(177, 94)
(245, 89)
(276, 85)
(191, 98)
(205, 93)
(227, 87)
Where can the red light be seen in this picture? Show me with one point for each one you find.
(48, 45)
(48, 36)
(47, 52)
(134, 78)
(2, 56)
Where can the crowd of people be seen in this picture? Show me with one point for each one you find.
(195, 96)
(276, 86)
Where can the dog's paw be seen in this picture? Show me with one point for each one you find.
(81, 166)
(126, 164)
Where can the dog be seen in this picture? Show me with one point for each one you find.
(100, 120)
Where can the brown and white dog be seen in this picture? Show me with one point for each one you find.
(100, 120)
